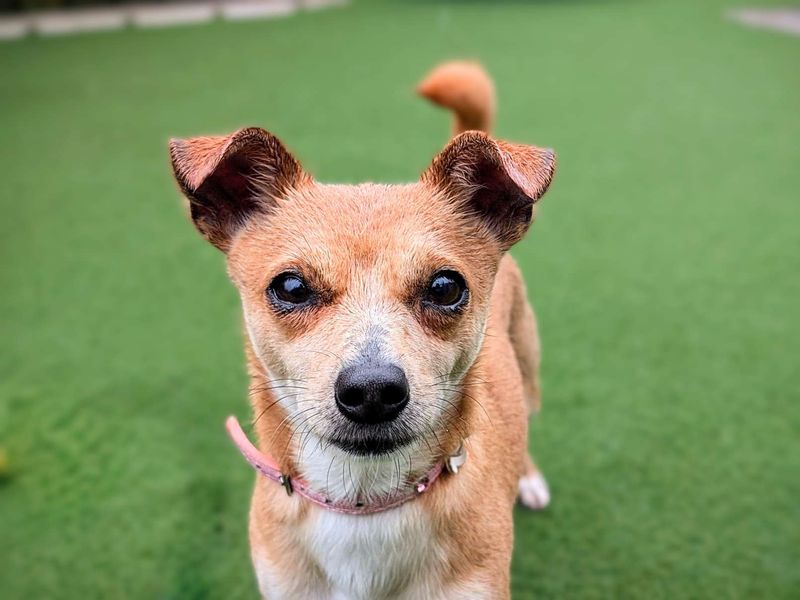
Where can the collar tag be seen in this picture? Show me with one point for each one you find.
(457, 460)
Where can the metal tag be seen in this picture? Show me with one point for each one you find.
(457, 460)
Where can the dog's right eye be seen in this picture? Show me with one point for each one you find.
(446, 291)
(289, 290)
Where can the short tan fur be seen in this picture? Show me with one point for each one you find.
(368, 255)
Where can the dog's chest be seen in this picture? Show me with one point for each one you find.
(387, 555)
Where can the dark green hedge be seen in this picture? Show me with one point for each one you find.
(25, 5)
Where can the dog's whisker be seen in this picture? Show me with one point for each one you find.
(287, 420)
(328, 475)
(344, 483)
(472, 398)
(457, 418)
(301, 425)
(397, 468)
(324, 353)
(353, 485)
(263, 412)
(281, 386)
(309, 433)
(293, 429)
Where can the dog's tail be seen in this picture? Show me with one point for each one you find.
(466, 89)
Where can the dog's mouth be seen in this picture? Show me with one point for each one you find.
(371, 444)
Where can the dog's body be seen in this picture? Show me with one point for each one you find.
(454, 542)
(410, 286)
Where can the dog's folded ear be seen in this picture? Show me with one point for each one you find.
(229, 178)
(496, 181)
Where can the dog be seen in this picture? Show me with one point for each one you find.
(392, 353)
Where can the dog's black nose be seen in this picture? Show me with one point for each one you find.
(371, 392)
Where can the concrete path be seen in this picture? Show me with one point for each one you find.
(65, 22)
(786, 20)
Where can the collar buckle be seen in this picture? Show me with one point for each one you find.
(286, 482)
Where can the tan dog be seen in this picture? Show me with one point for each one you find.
(392, 353)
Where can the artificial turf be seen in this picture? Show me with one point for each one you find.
(664, 267)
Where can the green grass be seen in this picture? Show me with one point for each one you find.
(665, 270)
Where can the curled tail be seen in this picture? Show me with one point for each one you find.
(466, 89)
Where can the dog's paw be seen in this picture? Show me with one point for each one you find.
(534, 492)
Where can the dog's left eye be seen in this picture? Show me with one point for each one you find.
(446, 289)
(289, 290)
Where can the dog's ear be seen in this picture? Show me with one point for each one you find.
(496, 181)
(229, 178)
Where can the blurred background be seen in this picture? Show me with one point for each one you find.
(664, 267)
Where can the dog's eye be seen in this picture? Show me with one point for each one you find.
(288, 290)
(446, 290)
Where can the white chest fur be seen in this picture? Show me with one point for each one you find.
(375, 557)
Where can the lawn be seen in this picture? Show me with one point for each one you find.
(664, 267)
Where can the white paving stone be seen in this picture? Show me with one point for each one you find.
(240, 11)
(12, 28)
(164, 15)
(319, 4)
(67, 22)
(779, 19)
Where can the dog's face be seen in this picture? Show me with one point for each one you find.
(365, 305)
(371, 301)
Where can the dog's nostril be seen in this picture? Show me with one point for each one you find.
(393, 393)
(351, 396)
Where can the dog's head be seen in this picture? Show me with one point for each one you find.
(365, 305)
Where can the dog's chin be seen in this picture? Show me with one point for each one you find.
(373, 445)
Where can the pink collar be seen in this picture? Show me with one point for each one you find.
(270, 469)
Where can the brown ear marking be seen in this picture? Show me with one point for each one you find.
(495, 180)
(228, 178)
